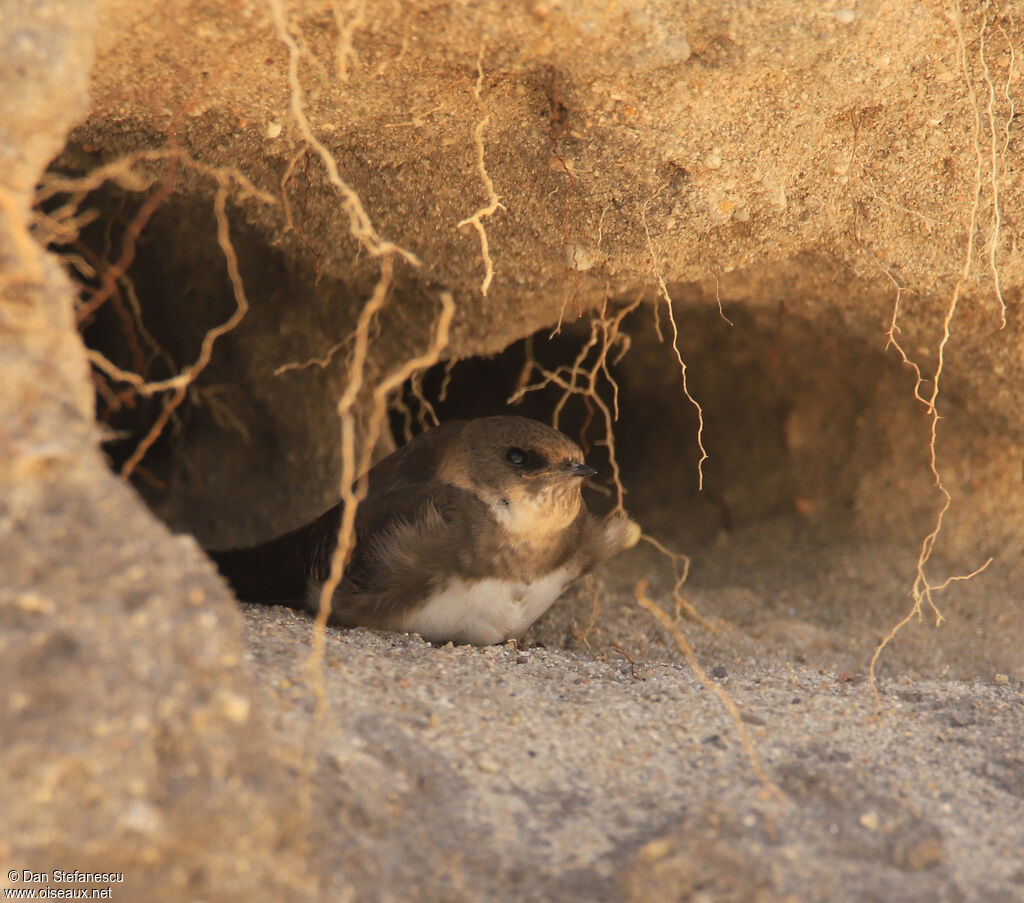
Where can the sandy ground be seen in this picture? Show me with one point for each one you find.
(461, 773)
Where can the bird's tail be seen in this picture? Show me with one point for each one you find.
(278, 571)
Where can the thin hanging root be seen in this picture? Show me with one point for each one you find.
(289, 171)
(360, 225)
(62, 227)
(893, 342)
(123, 172)
(581, 380)
(346, 31)
(605, 334)
(1010, 69)
(112, 273)
(718, 298)
(191, 373)
(493, 201)
(681, 566)
(351, 495)
(910, 615)
(592, 587)
(529, 365)
(449, 365)
(734, 713)
(997, 214)
(923, 590)
(663, 288)
(322, 362)
(355, 463)
(426, 416)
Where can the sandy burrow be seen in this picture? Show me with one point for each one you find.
(466, 773)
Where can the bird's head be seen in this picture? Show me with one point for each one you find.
(527, 473)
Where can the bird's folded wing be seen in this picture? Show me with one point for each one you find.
(408, 543)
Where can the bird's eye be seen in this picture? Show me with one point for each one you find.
(516, 456)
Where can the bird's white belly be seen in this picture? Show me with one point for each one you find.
(487, 611)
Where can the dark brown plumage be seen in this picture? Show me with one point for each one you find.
(467, 533)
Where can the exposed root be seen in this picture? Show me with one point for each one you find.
(189, 374)
(156, 349)
(681, 567)
(922, 592)
(442, 392)
(493, 201)
(893, 342)
(322, 362)
(561, 164)
(426, 416)
(350, 466)
(734, 713)
(915, 612)
(997, 215)
(608, 344)
(355, 461)
(584, 381)
(592, 587)
(221, 412)
(114, 272)
(399, 405)
(667, 298)
(62, 223)
(417, 120)
(718, 297)
(289, 219)
(346, 29)
(124, 171)
(289, 170)
(360, 225)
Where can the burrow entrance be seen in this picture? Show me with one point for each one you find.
(802, 525)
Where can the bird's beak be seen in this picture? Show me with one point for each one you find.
(575, 470)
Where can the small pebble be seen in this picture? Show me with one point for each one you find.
(1001, 679)
(845, 16)
(870, 820)
(719, 672)
(581, 257)
(655, 850)
(562, 164)
(37, 604)
(522, 658)
(234, 706)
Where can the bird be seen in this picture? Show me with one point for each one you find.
(468, 534)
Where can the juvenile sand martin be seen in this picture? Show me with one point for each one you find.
(468, 533)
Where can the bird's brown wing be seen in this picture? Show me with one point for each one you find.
(408, 543)
(279, 570)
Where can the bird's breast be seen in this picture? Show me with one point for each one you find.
(486, 611)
